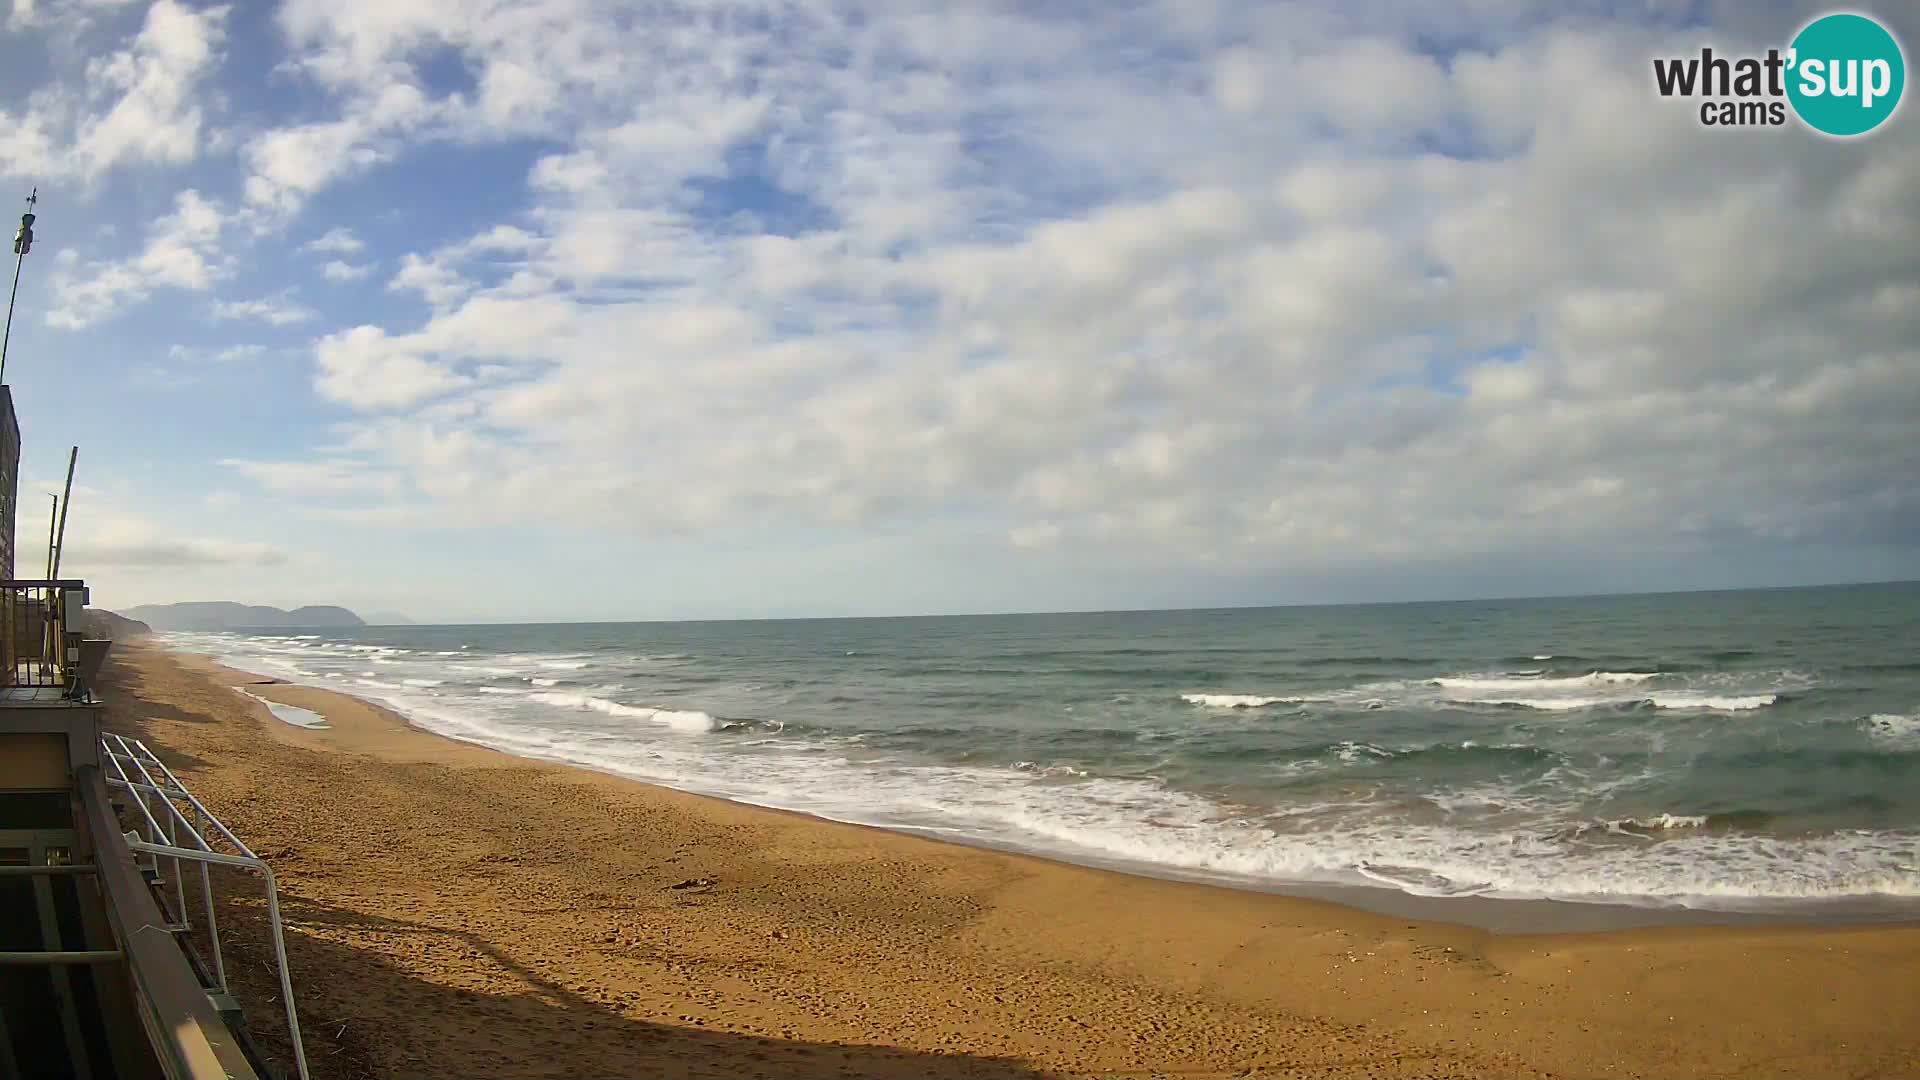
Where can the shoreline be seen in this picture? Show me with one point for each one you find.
(454, 910)
(1500, 915)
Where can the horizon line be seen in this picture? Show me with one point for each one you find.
(1069, 611)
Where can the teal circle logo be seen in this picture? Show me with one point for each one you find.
(1846, 73)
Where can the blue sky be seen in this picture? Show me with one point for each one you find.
(563, 309)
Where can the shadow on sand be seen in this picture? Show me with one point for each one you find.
(364, 1017)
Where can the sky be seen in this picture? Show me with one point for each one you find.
(580, 310)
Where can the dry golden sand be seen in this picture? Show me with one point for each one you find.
(455, 912)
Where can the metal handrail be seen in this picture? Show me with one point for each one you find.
(176, 1013)
(120, 751)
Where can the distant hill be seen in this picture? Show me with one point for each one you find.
(101, 623)
(387, 618)
(222, 615)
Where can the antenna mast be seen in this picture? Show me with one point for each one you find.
(22, 243)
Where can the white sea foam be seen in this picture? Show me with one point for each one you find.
(691, 721)
(1712, 702)
(1234, 701)
(1356, 835)
(1657, 823)
(1604, 689)
(1673, 821)
(1050, 771)
(423, 682)
(1658, 699)
(1511, 681)
(1895, 729)
(544, 682)
(1351, 752)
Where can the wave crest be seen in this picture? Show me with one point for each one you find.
(1528, 681)
(1236, 701)
(1895, 729)
(691, 721)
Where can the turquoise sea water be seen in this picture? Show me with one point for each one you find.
(1733, 750)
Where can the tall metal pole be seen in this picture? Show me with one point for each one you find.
(51, 518)
(60, 541)
(22, 243)
(7, 338)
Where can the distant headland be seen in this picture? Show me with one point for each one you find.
(225, 615)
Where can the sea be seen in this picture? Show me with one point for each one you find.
(1753, 751)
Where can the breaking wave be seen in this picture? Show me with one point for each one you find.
(1235, 701)
(1602, 770)
(684, 720)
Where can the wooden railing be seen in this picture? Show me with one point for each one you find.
(40, 634)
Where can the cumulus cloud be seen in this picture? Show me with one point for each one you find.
(340, 270)
(181, 252)
(290, 163)
(1177, 285)
(1594, 325)
(135, 105)
(366, 368)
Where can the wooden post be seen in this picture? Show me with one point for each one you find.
(60, 540)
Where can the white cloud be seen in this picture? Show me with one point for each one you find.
(135, 105)
(338, 270)
(1286, 291)
(315, 478)
(364, 367)
(277, 310)
(227, 354)
(181, 252)
(100, 539)
(1260, 350)
(436, 283)
(338, 240)
(1041, 535)
(289, 164)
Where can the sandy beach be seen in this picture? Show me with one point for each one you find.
(456, 912)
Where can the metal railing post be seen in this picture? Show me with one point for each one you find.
(213, 929)
(286, 974)
(118, 750)
(172, 834)
(274, 922)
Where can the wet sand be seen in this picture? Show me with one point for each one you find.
(456, 912)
